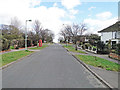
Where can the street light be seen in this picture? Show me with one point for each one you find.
(26, 34)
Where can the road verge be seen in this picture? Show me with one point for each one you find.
(95, 74)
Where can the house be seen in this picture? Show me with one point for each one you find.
(111, 33)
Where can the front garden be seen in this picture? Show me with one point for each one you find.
(102, 48)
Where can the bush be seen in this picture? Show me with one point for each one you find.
(21, 43)
(17, 47)
(5, 44)
(113, 51)
(28, 43)
(90, 48)
(102, 48)
(87, 45)
(117, 51)
(94, 48)
(11, 47)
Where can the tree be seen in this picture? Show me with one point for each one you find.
(64, 34)
(72, 31)
(40, 33)
(16, 23)
(37, 27)
(93, 39)
(61, 40)
(49, 36)
(31, 38)
(12, 32)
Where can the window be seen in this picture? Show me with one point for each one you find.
(113, 44)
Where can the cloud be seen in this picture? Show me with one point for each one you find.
(34, 3)
(91, 8)
(73, 12)
(55, 5)
(98, 24)
(104, 15)
(24, 10)
(70, 4)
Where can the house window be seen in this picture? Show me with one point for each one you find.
(113, 44)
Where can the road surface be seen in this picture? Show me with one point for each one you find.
(52, 67)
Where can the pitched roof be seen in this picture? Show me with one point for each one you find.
(112, 28)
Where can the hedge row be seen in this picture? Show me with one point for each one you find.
(16, 44)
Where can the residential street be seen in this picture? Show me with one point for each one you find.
(52, 67)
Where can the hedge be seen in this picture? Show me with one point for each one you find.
(5, 44)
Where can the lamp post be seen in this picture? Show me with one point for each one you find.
(26, 34)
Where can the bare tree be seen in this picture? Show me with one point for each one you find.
(63, 33)
(44, 34)
(16, 23)
(37, 27)
(73, 31)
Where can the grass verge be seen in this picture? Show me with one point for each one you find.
(99, 62)
(43, 46)
(13, 56)
(72, 49)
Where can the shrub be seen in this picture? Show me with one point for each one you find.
(94, 48)
(87, 45)
(21, 43)
(11, 47)
(17, 47)
(113, 51)
(5, 44)
(90, 48)
(102, 48)
(117, 51)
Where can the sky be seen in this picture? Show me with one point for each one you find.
(96, 14)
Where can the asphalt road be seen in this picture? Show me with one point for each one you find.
(52, 67)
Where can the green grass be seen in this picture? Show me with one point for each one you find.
(99, 62)
(43, 46)
(13, 56)
(72, 49)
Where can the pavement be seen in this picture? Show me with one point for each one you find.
(52, 67)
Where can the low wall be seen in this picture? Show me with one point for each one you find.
(115, 56)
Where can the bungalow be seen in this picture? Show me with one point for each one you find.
(111, 33)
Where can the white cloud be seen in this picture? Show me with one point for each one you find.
(34, 2)
(96, 25)
(73, 12)
(49, 17)
(55, 5)
(70, 4)
(91, 8)
(104, 15)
